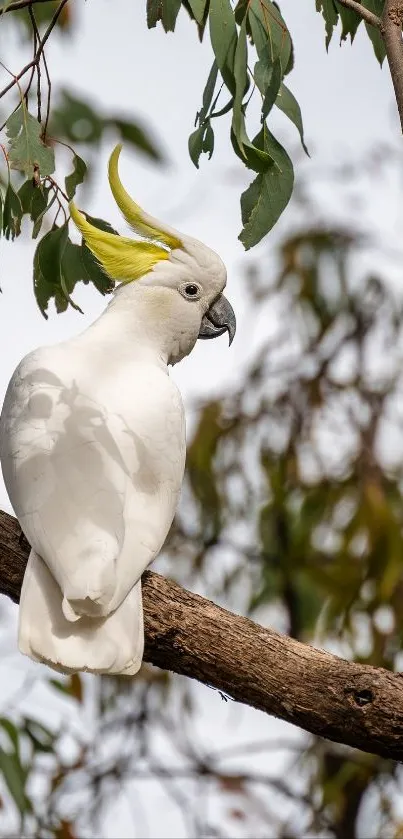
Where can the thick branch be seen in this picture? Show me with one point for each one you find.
(364, 13)
(349, 703)
(392, 20)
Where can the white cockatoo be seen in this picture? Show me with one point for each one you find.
(92, 443)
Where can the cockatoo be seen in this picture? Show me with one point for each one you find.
(92, 443)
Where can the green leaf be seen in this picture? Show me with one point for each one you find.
(38, 214)
(330, 15)
(170, 11)
(241, 85)
(269, 27)
(267, 76)
(375, 6)
(350, 22)
(208, 142)
(41, 737)
(287, 103)
(12, 213)
(76, 177)
(254, 155)
(26, 151)
(47, 269)
(195, 144)
(92, 271)
(198, 8)
(267, 196)
(15, 778)
(164, 10)
(208, 94)
(223, 36)
(76, 120)
(12, 733)
(137, 137)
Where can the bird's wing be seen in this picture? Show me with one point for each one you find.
(93, 477)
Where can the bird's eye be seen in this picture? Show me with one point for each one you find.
(192, 291)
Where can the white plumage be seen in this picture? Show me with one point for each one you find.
(92, 445)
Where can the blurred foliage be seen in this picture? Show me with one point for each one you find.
(40, 127)
(291, 511)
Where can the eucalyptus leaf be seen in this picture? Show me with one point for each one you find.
(76, 177)
(268, 195)
(198, 8)
(223, 34)
(27, 152)
(287, 103)
(275, 31)
(12, 213)
(47, 268)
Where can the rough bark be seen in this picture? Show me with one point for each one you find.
(349, 703)
(391, 30)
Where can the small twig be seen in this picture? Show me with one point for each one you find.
(36, 59)
(57, 187)
(392, 20)
(37, 39)
(366, 15)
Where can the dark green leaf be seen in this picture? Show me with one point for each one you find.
(267, 76)
(241, 84)
(101, 224)
(94, 273)
(26, 151)
(154, 12)
(170, 11)
(330, 15)
(76, 177)
(15, 778)
(223, 36)
(195, 144)
(208, 94)
(375, 6)
(38, 214)
(266, 198)
(138, 137)
(208, 142)
(12, 213)
(287, 103)
(198, 8)
(47, 268)
(26, 194)
(254, 155)
(350, 22)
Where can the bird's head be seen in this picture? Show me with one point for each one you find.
(180, 278)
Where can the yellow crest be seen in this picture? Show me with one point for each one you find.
(123, 258)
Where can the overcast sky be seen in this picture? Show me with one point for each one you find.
(347, 106)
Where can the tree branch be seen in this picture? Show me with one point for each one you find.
(392, 20)
(21, 4)
(349, 703)
(364, 13)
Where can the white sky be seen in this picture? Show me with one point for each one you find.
(347, 105)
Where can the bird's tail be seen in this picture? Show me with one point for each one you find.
(113, 644)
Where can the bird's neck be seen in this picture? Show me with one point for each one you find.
(128, 328)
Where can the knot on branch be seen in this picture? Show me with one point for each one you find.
(360, 696)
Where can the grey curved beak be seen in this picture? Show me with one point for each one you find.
(219, 318)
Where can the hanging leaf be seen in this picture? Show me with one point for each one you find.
(254, 154)
(267, 75)
(140, 139)
(41, 737)
(26, 151)
(268, 27)
(223, 36)
(47, 269)
(198, 8)
(196, 143)
(330, 16)
(76, 177)
(15, 777)
(241, 85)
(12, 213)
(350, 22)
(376, 6)
(268, 195)
(287, 103)
(165, 11)
(41, 215)
(208, 94)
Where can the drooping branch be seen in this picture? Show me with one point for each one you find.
(392, 21)
(364, 13)
(349, 703)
